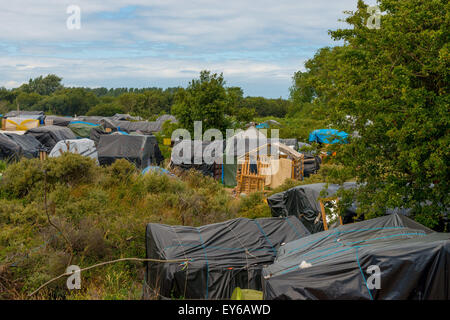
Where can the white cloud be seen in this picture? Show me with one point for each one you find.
(264, 40)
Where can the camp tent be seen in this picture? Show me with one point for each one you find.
(303, 202)
(143, 127)
(328, 136)
(339, 264)
(50, 135)
(15, 146)
(82, 129)
(20, 123)
(275, 161)
(311, 164)
(236, 146)
(189, 154)
(139, 149)
(167, 117)
(84, 147)
(221, 256)
(57, 121)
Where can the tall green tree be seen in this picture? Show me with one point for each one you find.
(391, 87)
(205, 99)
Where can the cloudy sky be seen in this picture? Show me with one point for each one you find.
(257, 44)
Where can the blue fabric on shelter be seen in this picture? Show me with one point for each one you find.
(84, 122)
(329, 136)
(157, 169)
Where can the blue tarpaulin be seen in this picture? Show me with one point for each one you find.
(329, 136)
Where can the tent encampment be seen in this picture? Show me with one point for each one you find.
(141, 150)
(221, 256)
(50, 135)
(387, 258)
(84, 147)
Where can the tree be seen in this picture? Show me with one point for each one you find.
(43, 86)
(205, 99)
(390, 85)
(105, 110)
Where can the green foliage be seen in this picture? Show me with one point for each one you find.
(204, 100)
(390, 85)
(105, 110)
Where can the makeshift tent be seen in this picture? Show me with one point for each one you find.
(311, 164)
(166, 117)
(50, 135)
(274, 161)
(29, 146)
(221, 256)
(15, 113)
(236, 146)
(90, 119)
(138, 149)
(84, 147)
(82, 129)
(339, 264)
(158, 170)
(127, 117)
(303, 202)
(20, 123)
(57, 121)
(328, 136)
(189, 154)
(267, 124)
(143, 127)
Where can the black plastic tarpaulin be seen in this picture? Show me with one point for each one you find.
(303, 202)
(50, 135)
(139, 149)
(15, 146)
(192, 154)
(387, 258)
(29, 145)
(221, 256)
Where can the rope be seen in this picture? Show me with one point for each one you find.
(207, 266)
(362, 273)
(265, 236)
(102, 264)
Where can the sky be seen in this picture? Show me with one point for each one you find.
(257, 45)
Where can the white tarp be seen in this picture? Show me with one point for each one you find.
(85, 147)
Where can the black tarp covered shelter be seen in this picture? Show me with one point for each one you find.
(196, 159)
(311, 164)
(58, 121)
(303, 202)
(413, 263)
(221, 256)
(48, 136)
(139, 149)
(29, 146)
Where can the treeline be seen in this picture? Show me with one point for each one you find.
(49, 95)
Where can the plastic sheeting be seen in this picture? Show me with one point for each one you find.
(302, 201)
(213, 150)
(57, 121)
(84, 147)
(50, 135)
(83, 129)
(222, 256)
(328, 136)
(29, 146)
(138, 149)
(413, 262)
